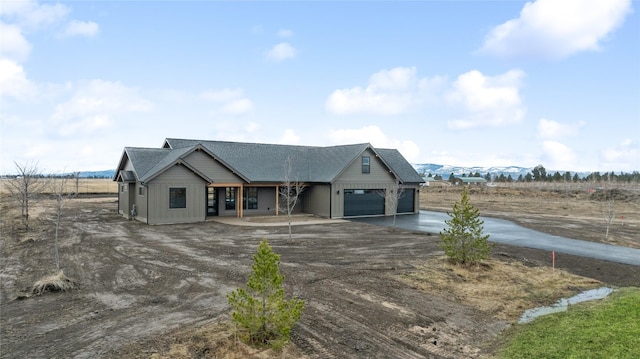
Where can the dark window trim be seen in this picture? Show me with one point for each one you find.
(177, 197)
(366, 164)
(250, 202)
(230, 198)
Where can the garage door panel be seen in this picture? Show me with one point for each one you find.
(406, 201)
(363, 202)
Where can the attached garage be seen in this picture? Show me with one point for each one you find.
(406, 201)
(363, 202)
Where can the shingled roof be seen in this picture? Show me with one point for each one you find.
(259, 162)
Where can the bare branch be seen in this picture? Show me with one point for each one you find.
(290, 192)
(27, 183)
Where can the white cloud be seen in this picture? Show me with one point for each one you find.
(93, 105)
(252, 127)
(13, 81)
(375, 136)
(14, 44)
(81, 28)
(289, 137)
(238, 107)
(389, 92)
(285, 33)
(233, 101)
(549, 129)
(32, 15)
(553, 29)
(281, 52)
(485, 100)
(557, 156)
(623, 157)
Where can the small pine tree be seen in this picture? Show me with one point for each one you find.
(260, 311)
(463, 240)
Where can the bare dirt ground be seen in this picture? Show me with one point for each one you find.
(369, 291)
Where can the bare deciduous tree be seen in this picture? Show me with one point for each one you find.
(76, 177)
(25, 186)
(607, 206)
(57, 187)
(392, 198)
(608, 214)
(290, 192)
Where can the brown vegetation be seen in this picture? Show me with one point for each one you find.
(84, 186)
(54, 283)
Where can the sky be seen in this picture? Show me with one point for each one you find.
(461, 83)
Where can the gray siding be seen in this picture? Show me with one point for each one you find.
(123, 199)
(318, 200)
(378, 177)
(212, 168)
(378, 171)
(176, 177)
(141, 202)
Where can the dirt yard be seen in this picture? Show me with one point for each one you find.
(369, 291)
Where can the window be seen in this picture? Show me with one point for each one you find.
(230, 198)
(177, 198)
(366, 164)
(140, 191)
(250, 198)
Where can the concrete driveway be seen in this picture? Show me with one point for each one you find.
(503, 231)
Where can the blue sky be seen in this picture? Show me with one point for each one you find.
(468, 83)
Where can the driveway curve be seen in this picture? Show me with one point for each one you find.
(506, 232)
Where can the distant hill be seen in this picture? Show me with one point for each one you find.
(514, 171)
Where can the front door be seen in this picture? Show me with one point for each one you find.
(212, 201)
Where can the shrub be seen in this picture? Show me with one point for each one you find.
(53, 283)
(260, 311)
(463, 240)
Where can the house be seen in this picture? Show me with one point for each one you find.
(187, 181)
(432, 182)
(468, 181)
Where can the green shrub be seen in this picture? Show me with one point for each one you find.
(463, 240)
(260, 311)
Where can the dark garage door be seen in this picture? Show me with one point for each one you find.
(406, 201)
(363, 202)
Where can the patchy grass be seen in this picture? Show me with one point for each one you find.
(608, 328)
(502, 289)
(53, 283)
(217, 340)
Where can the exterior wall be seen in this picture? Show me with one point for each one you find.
(176, 177)
(212, 168)
(378, 177)
(266, 202)
(318, 200)
(141, 202)
(123, 199)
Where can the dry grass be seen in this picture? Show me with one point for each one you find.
(504, 290)
(53, 283)
(84, 186)
(216, 340)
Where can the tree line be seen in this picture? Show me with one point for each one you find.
(540, 174)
